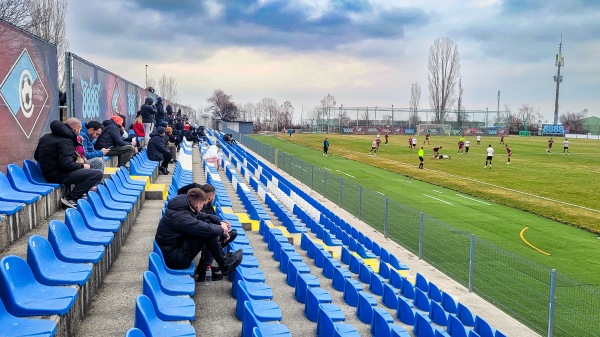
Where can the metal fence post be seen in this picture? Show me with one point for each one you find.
(312, 177)
(551, 303)
(385, 218)
(471, 262)
(275, 160)
(421, 216)
(341, 184)
(359, 202)
(325, 185)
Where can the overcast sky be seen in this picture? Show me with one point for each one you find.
(364, 52)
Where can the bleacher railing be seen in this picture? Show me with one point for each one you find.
(547, 302)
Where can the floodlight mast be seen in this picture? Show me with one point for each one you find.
(560, 62)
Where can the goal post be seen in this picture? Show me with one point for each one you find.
(433, 129)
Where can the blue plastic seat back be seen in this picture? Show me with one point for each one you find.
(134, 332)
(421, 300)
(464, 314)
(448, 303)
(16, 326)
(434, 292)
(380, 326)
(102, 211)
(421, 283)
(405, 312)
(93, 221)
(83, 234)
(8, 193)
(483, 328)
(437, 314)
(23, 295)
(188, 271)
(390, 296)
(67, 249)
(48, 269)
(407, 289)
(364, 309)
(114, 186)
(34, 174)
(167, 308)
(170, 284)
(456, 328)
(18, 180)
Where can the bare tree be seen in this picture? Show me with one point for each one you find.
(167, 88)
(574, 120)
(415, 100)
(461, 116)
(286, 115)
(444, 71)
(529, 116)
(16, 12)
(221, 106)
(48, 22)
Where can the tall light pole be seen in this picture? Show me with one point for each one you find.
(560, 62)
(146, 76)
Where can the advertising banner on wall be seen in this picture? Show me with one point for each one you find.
(99, 94)
(28, 93)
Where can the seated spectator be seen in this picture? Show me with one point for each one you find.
(227, 139)
(170, 143)
(138, 127)
(184, 231)
(232, 139)
(56, 155)
(190, 136)
(157, 151)
(212, 156)
(206, 257)
(111, 138)
(89, 134)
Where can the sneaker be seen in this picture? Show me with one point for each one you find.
(217, 275)
(68, 202)
(231, 262)
(485, 166)
(163, 170)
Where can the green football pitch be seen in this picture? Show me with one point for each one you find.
(534, 207)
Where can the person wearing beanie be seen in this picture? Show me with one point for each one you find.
(157, 151)
(111, 138)
(148, 111)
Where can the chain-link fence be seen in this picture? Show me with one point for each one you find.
(547, 302)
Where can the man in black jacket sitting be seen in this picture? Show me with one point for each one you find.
(183, 231)
(112, 139)
(56, 155)
(157, 150)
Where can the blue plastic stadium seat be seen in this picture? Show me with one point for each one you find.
(285, 258)
(437, 314)
(406, 289)
(168, 308)
(34, 174)
(24, 296)
(295, 268)
(170, 284)
(114, 185)
(188, 271)
(11, 326)
(257, 290)
(355, 263)
(18, 180)
(102, 211)
(406, 311)
(314, 296)
(93, 222)
(457, 329)
(49, 270)
(421, 301)
(147, 321)
(134, 332)
(112, 203)
(327, 327)
(10, 207)
(67, 249)
(464, 315)
(423, 327)
(382, 325)
(265, 329)
(364, 274)
(396, 264)
(364, 309)
(249, 274)
(8, 193)
(362, 252)
(339, 276)
(81, 233)
(304, 281)
(351, 290)
(328, 267)
(421, 283)
(390, 296)
(265, 311)
(483, 328)
(448, 303)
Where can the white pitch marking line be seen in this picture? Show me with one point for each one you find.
(440, 200)
(327, 169)
(436, 191)
(485, 203)
(349, 175)
(380, 193)
(405, 181)
(300, 167)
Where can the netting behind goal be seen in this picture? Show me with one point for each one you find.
(433, 129)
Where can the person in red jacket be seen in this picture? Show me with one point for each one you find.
(138, 127)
